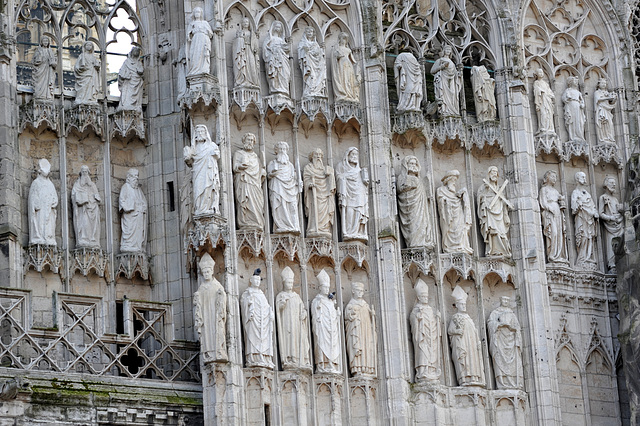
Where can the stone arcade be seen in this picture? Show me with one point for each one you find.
(319, 212)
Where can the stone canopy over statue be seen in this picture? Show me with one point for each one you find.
(210, 312)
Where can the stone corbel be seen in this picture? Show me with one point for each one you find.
(318, 249)
(497, 265)
(460, 262)
(405, 121)
(250, 243)
(39, 113)
(86, 259)
(130, 264)
(206, 230)
(245, 96)
(127, 123)
(278, 103)
(345, 111)
(606, 153)
(575, 149)
(40, 255)
(448, 128)
(313, 106)
(421, 257)
(355, 250)
(84, 117)
(486, 134)
(546, 143)
(287, 244)
(202, 88)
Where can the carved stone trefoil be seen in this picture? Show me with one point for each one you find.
(345, 111)
(288, 244)
(86, 259)
(245, 96)
(405, 121)
(83, 117)
(37, 113)
(130, 264)
(201, 88)
(421, 257)
(315, 105)
(547, 143)
(40, 255)
(606, 153)
(125, 123)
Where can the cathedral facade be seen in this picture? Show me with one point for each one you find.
(319, 212)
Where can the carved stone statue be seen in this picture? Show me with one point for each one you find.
(466, 351)
(326, 328)
(425, 328)
(276, 59)
(506, 346)
(202, 156)
(210, 311)
(248, 175)
(611, 214)
(446, 84)
(353, 196)
(483, 93)
(45, 62)
(43, 200)
(181, 73)
(293, 326)
(360, 330)
(313, 66)
(245, 57)
(604, 102)
(455, 215)
(283, 191)
(408, 75)
(544, 99)
(86, 72)
(413, 208)
(130, 82)
(493, 215)
(258, 325)
(319, 192)
(346, 81)
(552, 203)
(133, 206)
(574, 117)
(199, 35)
(585, 214)
(86, 210)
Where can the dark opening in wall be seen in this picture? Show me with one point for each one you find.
(119, 317)
(172, 196)
(267, 415)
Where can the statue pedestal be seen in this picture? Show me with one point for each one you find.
(287, 244)
(448, 128)
(40, 255)
(39, 113)
(278, 102)
(356, 250)
(407, 120)
(486, 133)
(461, 262)
(86, 259)
(421, 257)
(201, 88)
(313, 106)
(606, 153)
(547, 143)
(245, 96)
(130, 264)
(126, 123)
(84, 117)
(206, 229)
(345, 111)
(575, 149)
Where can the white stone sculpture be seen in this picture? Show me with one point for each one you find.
(466, 350)
(426, 331)
(86, 71)
(446, 84)
(181, 73)
(483, 93)
(248, 175)
(409, 80)
(45, 62)
(574, 117)
(133, 205)
(283, 191)
(544, 99)
(258, 325)
(319, 191)
(346, 81)
(86, 210)
(455, 215)
(245, 57)
(130, 82)
(353, 196)
(210, 311)
(604, 102)
(276, 59)
(506, 346)
(202, 156)
(585, 214)
(493, 214)
(313, 65)
(43, 200)
(360, 330)
(413, 205)
(293, 325)
(611, 214)
(326, 328)
(199, 35)
(552, 205)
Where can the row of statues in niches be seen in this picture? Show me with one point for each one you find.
(85, 201)
(291, 318)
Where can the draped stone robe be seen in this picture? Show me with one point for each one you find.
(361, 337)
(553, 224)
(466, 351)
(45, 61)
(199, 36)
(43, 200)
(86, 213)
(506, 348)
(205, 177)
(494, 221)
(283, 194)
(455, 221)
(319, 201)
(415, 221)
(210, 310)
(87, 79)
(425, 329)
(326, 332)
(345, 83)
(247, 184)
(314, 68)
(133, 205)
(293, 330)
(584, 210)
(613, 222)
(258, 328)
(355, 210)
(130, 85)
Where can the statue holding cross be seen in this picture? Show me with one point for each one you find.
(493, 215)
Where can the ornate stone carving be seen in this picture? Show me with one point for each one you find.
(466, 350)
(45, 62)
(313, 106)
(319, 190)
(346, 81)
(206, 230)
(610, 211)
(547, 143)
(460, 262)
(544, 99)
(201, 88)
(353, 196)
(360, 331)
(40, 255)
(253, 240)
(484, 134)
(326, 328)
(313, 66)
(276, 58)
(284, 190)
(293, 325)
(448, 128)
(210, 313)
(345, 111)
(134, 222)
(245, 96)
(409, 82)
(455, 215)
(84, 260)
(575, 149)
(86, 71)
(199, 35)
(319, 247)
(287, 244)
(248, 175)
(604, 102)
(130, 264)
(421, 257)
(181, 73)
(426, 330)
(413, 203)
(552, 205)
(258, 317)
(483, 94)
(43, 201)
(585, 215)
(37, 113)
(493, 215)
(606, 153)
(405, 121)
(356, 250)
(130, 81)
(246, 65)
(83, 117)
(86, 200)
(127, 123)
(202, 156)
(574, 117)
(506, 346)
